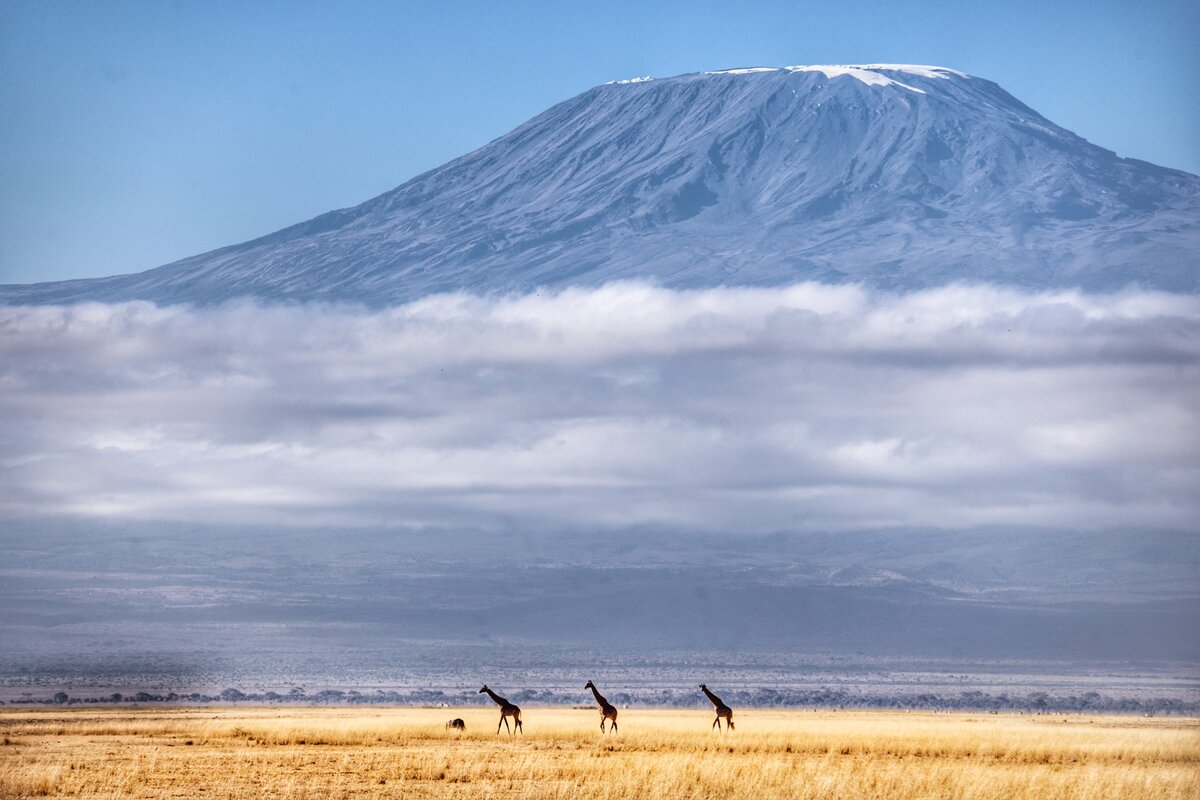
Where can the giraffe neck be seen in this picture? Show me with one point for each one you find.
(716, 700)
(599, 697)
(499, 700)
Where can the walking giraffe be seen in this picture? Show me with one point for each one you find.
(507, 710)
(722, 709)
(607, 710)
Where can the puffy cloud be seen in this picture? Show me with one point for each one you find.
(807, 406)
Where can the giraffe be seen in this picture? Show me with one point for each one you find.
(607, 710)
(507, 710)
(722, 709)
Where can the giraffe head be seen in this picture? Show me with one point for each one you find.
(704, 686)
(590, 685)
(484, 689)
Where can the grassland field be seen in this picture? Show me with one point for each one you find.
(408, 753)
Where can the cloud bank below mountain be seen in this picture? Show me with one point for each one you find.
(808, 407)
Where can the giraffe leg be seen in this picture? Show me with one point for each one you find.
(716, 724)
(506, 725)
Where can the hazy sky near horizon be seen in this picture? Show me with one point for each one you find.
(137, 133)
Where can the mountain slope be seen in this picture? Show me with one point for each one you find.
(897, 176)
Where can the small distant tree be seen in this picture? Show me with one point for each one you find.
(61, 697)
(232, 695)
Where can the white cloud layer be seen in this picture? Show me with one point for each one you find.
(805, 407)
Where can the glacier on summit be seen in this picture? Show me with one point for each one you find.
(894, 176)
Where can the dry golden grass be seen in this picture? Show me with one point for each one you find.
(376, 753)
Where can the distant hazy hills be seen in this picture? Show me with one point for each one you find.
(996, 594)
(896, 176)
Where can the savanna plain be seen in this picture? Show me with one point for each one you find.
(406, 752)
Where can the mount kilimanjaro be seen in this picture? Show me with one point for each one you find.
(895, 176)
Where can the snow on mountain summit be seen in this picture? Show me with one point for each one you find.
(898, 176)
(867, 73)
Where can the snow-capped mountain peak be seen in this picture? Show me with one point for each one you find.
(899, 176)
(870, 74)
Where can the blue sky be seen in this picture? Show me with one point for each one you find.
(137, 133)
